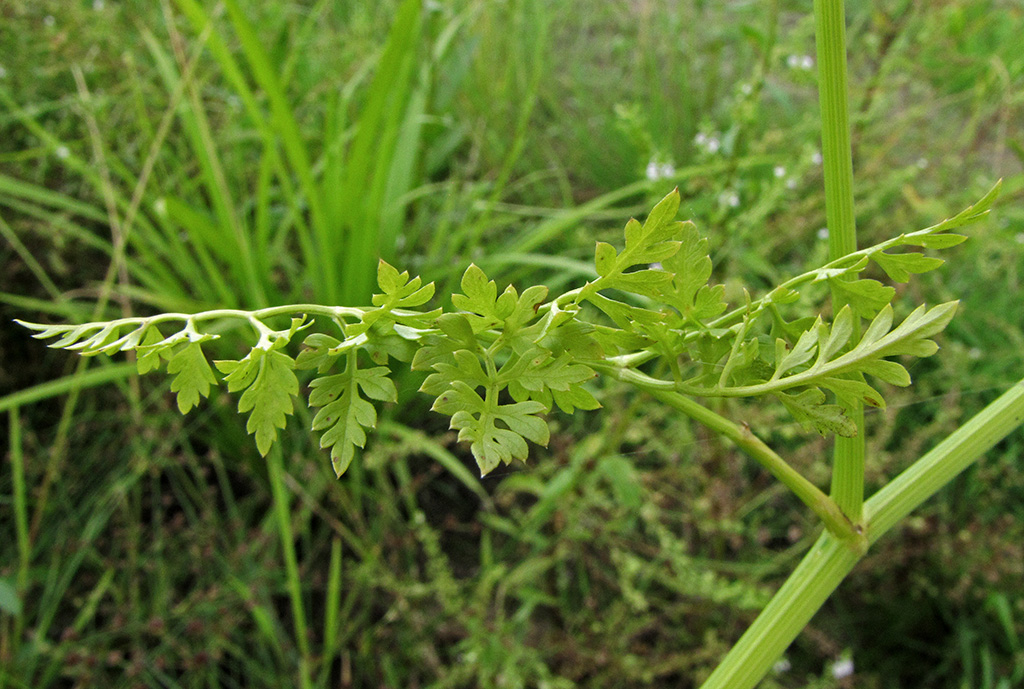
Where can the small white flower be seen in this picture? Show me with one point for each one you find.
(823, 233)
(98, 5)
(160, 206)
(807, 62)
(746, 89)
(974, 353)
(779, 171)
(49, 20)
(714, 144)
(729, 198)
(1019, 238)
(782, 666)
(62, 152)
(656, 170)
(816, 158)
(3, 72)
(791, 183)
(842, 668)
(793, 61)
(922, 163)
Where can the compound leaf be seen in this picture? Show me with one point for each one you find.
(689, 292)
(477, 421)
(865, 296)
(398, 290)
(149, 357)
(270, 384)
(809, 408)
(851, 392)
(345, 415)
(192, 376)
(900, 266)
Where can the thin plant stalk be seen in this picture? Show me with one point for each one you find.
(830, 560)
(826, 508)
(20, 515)
(282, 516)
(837, 160)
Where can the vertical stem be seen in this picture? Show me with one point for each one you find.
(331, 612)
(282, 514)
(20, 523)
(831, 559)
(837, 154)
(20, 503)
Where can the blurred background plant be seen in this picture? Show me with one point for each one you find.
(189, 153)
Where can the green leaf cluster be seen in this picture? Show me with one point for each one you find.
(498, 346)
(501, 359)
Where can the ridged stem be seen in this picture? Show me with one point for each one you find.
(831, 559)
(837, 159)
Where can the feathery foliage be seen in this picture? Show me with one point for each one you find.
(499, 362)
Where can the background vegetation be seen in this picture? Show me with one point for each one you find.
(186, 154)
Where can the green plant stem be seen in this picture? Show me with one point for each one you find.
(284, 527)
(20, 519)
(940, 465)
(331, 612)
(810, 494)
(815, 578)
(837, 154)
(828, 562)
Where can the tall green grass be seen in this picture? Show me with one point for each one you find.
(267, 213)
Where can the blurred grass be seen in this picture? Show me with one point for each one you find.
(244, 153)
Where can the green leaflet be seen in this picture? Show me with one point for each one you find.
(849, 392)
(149, 357)
(269, 382)
(456, 334)
(480, 298)
(392, 320)
(689, 292)
(625, 315)
(809, 408)
(399, 291)
(320, 352)
(866, 297)
(192, 376)
(876, 345)
(900, 266)
(345, 415)
(786, 360)
(466, 368)
(652, 242)
(487, 309)
(544, 379)
(477, 421)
